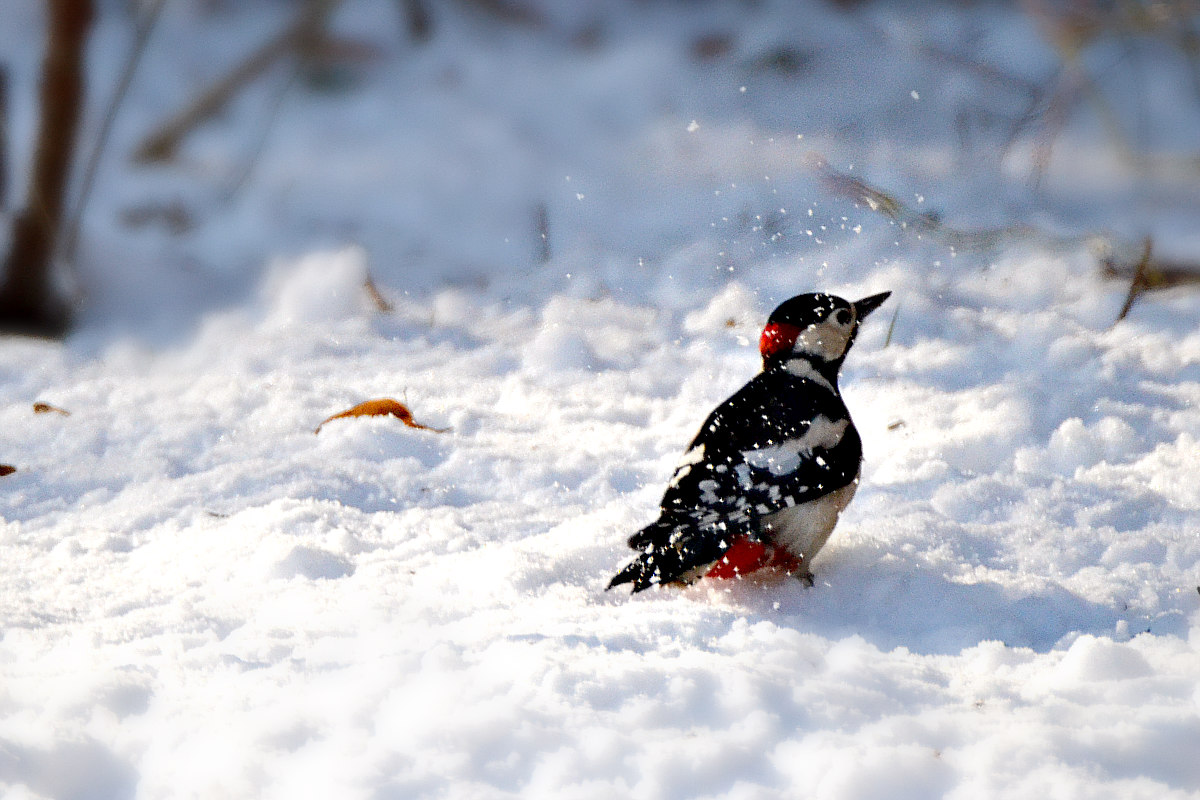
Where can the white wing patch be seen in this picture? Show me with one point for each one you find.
(708, 492)
(785, 458)
(690, 458)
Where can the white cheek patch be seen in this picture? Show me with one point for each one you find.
(785, 458)
(826, 340)
(802, 368)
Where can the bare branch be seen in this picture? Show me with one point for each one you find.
(541, 221)
(141, 36)
(3, 139)
(417, 20)
(1138, 284)
(162, 144)
(28, 301)
(1151, 275)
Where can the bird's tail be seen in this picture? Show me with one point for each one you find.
(639, 572)
(677, 553)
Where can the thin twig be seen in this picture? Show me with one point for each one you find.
(162, 144)
(1043, 96)
(1139, 283)
(1109, 119)
(1189, 45)
(929, 223)
(1150, 275)
(417, 20)
(987, 72)
(541, 219)
(1052, 120)
(892, 326)
(260, 145)
(141, 36)
(509, 11)
(907, 217)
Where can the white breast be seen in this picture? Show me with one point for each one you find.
(804, 529)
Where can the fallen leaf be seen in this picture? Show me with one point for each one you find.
(5, 469)
(46, 408)
(384, 407)
(381, 302)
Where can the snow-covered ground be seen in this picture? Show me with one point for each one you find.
(202, 598)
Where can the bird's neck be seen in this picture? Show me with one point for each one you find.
(822, 373)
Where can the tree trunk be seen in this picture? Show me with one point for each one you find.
(29, 302)
(3, 139)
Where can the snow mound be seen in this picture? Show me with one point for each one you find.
(317, 289)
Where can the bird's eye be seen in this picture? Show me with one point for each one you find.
(843, 317)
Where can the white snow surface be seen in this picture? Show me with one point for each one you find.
(202, 598)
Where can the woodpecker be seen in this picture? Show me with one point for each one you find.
(772, 468)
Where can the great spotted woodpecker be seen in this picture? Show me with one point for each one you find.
(772, 468)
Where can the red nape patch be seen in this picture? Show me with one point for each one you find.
(777, 337)
(744, 557)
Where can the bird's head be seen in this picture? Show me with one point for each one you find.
(816, 327)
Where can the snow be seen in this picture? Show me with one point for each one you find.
(204, 598)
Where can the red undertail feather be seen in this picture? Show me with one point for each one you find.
(747, 555)
(744, 557)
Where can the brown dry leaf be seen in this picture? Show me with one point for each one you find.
(383, 407)
(5, 469)
(381, 303)
(46, 408)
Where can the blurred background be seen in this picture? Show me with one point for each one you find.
(555, 227)
(650, 149)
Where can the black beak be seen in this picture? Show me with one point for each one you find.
(868, 304)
